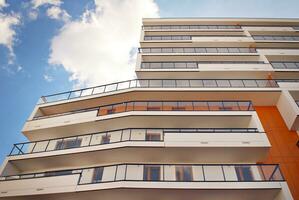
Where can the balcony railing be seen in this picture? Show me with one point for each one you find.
(192, 27)
(275, 37)
(176, 106)
(167, 173)
(196, 50)
(163, 83)
(114, 136)
(189, 65)
(168, 37)
(161, 106)
(183, 37)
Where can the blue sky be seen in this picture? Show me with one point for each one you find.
(54, 45)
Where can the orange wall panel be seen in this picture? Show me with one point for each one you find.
(284, 150)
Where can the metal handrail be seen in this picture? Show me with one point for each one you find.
(266, 173)
(178, 83)
(192, 64)
(19, 148)
(196, 50)
(192, 27)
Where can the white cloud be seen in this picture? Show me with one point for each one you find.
(48, 78)
(33, 14)
(55, 12)
(97, 48)
(3, 4)
(7, 36)
(38, 3)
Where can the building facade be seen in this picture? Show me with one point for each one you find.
(213, 114)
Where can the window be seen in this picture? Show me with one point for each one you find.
(236, 83)
(278, 65)
(154, 106)
(183, 173)
(290, 65)
(105, 139)
(211, 50)
(152, 136)
(151, 173)
(168, 83)
(111, 111)
(191, 65)
(145, 50)
(68, 143)
(180, 65)
(166, 50)
(178, 50)
(189, 50)
(178, 108)
(200, 50)
(59, 173)
(155, 65)
(97, 174)
(222, 50)
(145, 65)
(244, 173)
(167, 65)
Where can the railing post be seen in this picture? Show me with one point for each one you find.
(69, 95)
(90, 139)
(261, 168)
(115, 172)
(126, 169)
(203, 173)
(238, 105)
(130, 136)
(14, 146)
(47, 145)
(270, 178)
(223, 173)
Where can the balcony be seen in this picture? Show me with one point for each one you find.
(197, 50)
(140, 114)
(189, 27)
(176, 106)
(116, 136)
(286, 66)
(198, 38)
(277, 37)
(167, 37)
(213, 69)
(161, 83)
(136, 144)
(191, 65)
(139, 181)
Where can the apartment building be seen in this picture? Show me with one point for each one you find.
(213, 114)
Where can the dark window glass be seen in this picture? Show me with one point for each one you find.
(151, 173)
(59, 173)
(244, 173)
(97, 174)
(184, 173)
(105, 139)
(152, 136)
(68, 143)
